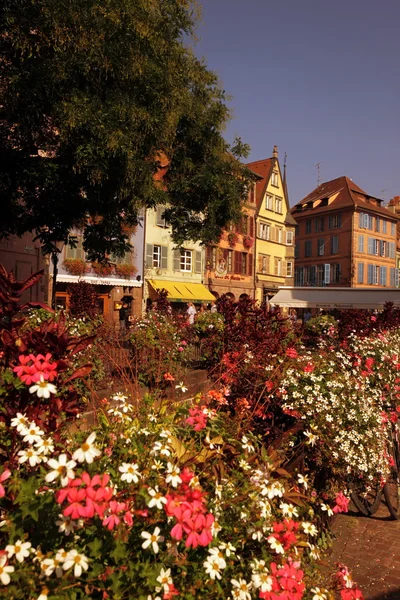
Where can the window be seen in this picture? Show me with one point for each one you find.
(278, 205)
(264, 231)
(335, 273)
(377, 224)
(370, 279)
(394, 277)
(320, 275)
(370, 222)
(157, 256)
(229, 261)
(245, 225)
(375, 274)
(313, 274)
(308, 248)
(252, 193)
(321, 247)
(289, 238)
(269, 202)
(382, 248)
(319, 224)
(263, 263)
(244, 263)
(360, 273)
(160, 221)
(327, 274)
(370, 245)
(335, 221)
(289, 269)
(392, 228)
(299, 276)
(297, 250)
(278, 266)
(334, 244)
(280, 236)
(376, 247)
(308, 225)
(383, 276)
(76, 252)
(185, 260)
(361, 243)
(274, 178)
(384, 226)
(392, 249)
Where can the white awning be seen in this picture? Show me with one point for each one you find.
(341, 298)
(63, 278)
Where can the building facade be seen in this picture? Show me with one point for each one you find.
(177, 270)
(23, 257)
(344, 238)
(274, 229)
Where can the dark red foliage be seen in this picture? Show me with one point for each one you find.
(163, 305)
(82, 300)
(362, 322)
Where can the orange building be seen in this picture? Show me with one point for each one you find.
(230, 264)
(344, 238)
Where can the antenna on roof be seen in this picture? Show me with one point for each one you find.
(383, 195)
(318, 173)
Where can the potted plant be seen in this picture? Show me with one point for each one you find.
(125, 270)
(75, 266)
(232, 239)
(247, 241)
(102, 269)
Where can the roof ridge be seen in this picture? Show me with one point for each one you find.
(259, 161)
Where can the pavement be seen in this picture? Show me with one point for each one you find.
(370, 548)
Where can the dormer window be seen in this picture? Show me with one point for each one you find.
(310, 204)
(324, 202)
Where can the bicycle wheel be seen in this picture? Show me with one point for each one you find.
(367, 502)
(391, 488)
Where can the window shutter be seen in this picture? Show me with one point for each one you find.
(238, 262)
(260, 264)
(164, 257)
(149, 256)
(327, 274)
(250, 265)
(197, 268)
(396, 277)
(251, 226)
(177, 259)
(272, 233)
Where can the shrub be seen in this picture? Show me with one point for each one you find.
(82, 300)
(232, 239)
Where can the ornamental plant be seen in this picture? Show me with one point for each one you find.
(75, 266)
(232, 239)
(247, 241)
(125, 270)
(102, 269)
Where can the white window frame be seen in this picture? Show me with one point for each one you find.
(289, 238)
(289, 269)
(280, 232)
(274, 179)
(156, 257)
(269, 202)
(186, 260)
(265, 231)
(278, 205)
(278, 266)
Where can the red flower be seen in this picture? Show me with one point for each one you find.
(168, 377)
(342, 503)
(5, 475)
(291, 353)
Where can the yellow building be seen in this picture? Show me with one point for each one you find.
(275, 229)
(178, 270)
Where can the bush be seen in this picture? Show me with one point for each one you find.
(82, 300)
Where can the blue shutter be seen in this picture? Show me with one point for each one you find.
(370, 222)
(396, 278)
(370, 274)
(360, 272)
(392, 277)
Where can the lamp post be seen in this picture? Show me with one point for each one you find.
(55, 251)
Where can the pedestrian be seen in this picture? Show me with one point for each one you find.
(191, 312)
(123, 316)
(213, 308)
(307, 316)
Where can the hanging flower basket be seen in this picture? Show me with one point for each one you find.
(125, 270)
(247, 241)
(75, 266)
(232, 239)
(102, 269)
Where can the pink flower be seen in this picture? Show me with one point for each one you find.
(5, 475)
(291, 353)
(342, 503)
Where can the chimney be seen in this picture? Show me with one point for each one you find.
(275, 152)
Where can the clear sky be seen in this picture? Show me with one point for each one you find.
(319, 78)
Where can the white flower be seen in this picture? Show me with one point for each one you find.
(165, 579)
(312, 438)
(157, 499)
(309, 528)
(215, 529)
(218, 555)
(32, 434)
(288, 510)
(257, 535)
(162, 449)
(173, 475)
(275, 545)
(120, 397)
(153, 418)
(263, 581)
(49, 565)
(181, 387)
(213, 567)
(153, 539)
(227, 547)
(243, 464)
(61, 467)
(43, 594)
(87, 452)
(30, 455)
(318, 594)
(67, 525)
(45, 446)
(5, 570)
(157, 465)
(327, 509)
(43, 389)
(20, 549)
(130, 472)
(303, 479)
(76, 560)
(314, 552)
(242, 590)
(247, 446)
(21, 422)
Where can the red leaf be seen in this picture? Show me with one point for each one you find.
(80, 372)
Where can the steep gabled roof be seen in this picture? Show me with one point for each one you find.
(345, 193)
(263, 168)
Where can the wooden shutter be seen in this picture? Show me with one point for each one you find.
(149, 256)
(197, 268)
(251, 227)
(238, 262)
(164, 257)
(177, 259)
(272, 233)
(260, 264)
(250, 265)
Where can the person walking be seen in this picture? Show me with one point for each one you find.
(191, 312)
(213, 308)
(123, 316)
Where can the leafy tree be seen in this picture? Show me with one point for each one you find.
(96, 98)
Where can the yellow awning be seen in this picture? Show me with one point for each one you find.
(182, 291)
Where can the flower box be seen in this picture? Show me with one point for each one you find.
(125, 270)
(247, 241)
(75, 266)
(232, 239)
(102, 269)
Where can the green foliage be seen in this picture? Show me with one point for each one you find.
(96, 98)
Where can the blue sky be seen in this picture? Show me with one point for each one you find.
(320, 79)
